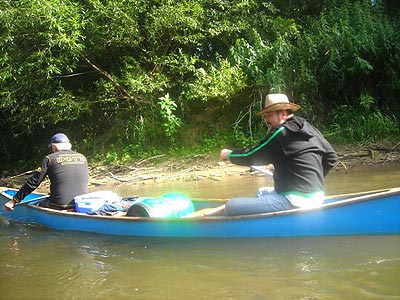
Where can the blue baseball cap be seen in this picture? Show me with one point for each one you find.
(58, 139)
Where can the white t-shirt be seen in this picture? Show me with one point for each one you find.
(306, 200)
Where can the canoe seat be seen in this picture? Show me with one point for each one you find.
(206, 212)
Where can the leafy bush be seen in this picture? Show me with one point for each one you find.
(364, 122)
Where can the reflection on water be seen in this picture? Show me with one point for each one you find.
(362, 178)
(38, 263)
(65, 265)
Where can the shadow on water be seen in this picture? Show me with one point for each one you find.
(39, 263)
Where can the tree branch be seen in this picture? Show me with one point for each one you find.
(108, 76)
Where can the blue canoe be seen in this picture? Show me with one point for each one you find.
(368, 213)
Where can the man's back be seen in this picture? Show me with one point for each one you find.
(68, 173)
(305, 158)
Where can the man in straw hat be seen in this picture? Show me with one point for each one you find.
(68, 173)
(301, 157)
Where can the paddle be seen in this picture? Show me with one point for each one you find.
(262, 170)
(32, 201)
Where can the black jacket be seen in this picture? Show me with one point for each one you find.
(68, 174)
(300, 154)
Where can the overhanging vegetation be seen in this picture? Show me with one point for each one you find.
(131, 78)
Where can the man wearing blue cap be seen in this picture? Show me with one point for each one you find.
(67, 171)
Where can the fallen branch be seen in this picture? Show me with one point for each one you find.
(344, 166)
(22, 174)
(361, 153)
(117, 178)
(146, 171)
(395, 146)
(149, 158)
(133, 169)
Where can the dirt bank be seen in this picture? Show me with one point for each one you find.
(206, 167)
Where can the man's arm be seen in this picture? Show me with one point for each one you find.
(33, 182)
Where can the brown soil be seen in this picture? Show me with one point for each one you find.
(206, 167)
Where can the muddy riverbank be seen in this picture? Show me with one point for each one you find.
(208, 167)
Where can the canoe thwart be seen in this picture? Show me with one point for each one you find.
(206, 212)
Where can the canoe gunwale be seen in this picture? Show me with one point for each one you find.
(363, 196)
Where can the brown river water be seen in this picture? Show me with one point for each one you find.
(39, 263)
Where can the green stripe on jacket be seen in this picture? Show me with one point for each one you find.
(259, 147)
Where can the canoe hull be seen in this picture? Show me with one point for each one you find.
(374, 214)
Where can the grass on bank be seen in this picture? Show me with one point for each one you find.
(360, 124)
(351, 126)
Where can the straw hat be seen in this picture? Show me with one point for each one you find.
(275, 102)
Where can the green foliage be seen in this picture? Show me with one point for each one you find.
(364, 122)
(170, 121)
(240, 138)
(220, 81)
(348, 50)
(263, 62)
(112, 26)
(121, 153)
(39, 42)
(126, 77)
